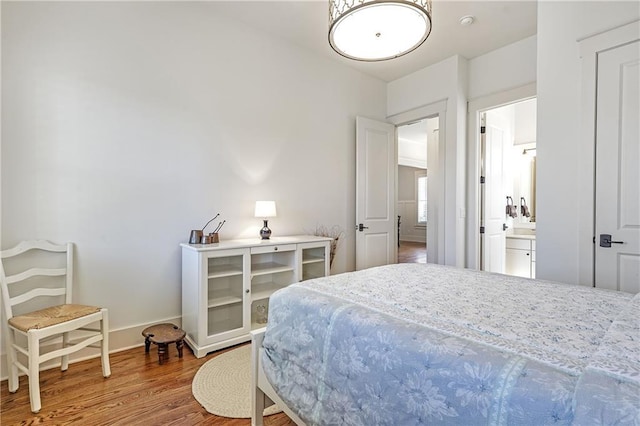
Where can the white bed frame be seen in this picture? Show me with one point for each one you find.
(263, 394)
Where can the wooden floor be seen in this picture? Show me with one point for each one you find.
(410, 252)
(139, 392)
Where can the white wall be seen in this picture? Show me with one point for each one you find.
(525, 121)
(511, 66)
(444, 81)
(126, 125)
(559, 146)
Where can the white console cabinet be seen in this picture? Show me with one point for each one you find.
(226, 286)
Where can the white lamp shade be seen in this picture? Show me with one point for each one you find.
(265, 209)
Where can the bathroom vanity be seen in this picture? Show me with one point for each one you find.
(520, 259)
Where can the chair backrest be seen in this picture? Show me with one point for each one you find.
(22, 282)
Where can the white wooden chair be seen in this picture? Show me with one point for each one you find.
(26, 330)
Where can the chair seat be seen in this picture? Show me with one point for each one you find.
(51, 316)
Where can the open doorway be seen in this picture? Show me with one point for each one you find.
(508, 189)
(415, 141)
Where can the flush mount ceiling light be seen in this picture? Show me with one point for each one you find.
(377, 30)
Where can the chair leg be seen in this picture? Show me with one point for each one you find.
(104, 329)
(65, 358)
(13, 382)
(34, 371)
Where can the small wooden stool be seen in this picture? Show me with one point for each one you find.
(162, 335)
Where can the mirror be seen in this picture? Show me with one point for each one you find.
(524, 185)
(524, 157)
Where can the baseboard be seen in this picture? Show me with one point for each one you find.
(119, 340)
(413, 239)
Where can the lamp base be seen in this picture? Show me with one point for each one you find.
(265, 232)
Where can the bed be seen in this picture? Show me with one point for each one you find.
(415, 344)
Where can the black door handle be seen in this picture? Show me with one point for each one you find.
(606, 241)
(361, 227)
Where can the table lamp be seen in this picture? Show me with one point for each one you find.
(265, 209)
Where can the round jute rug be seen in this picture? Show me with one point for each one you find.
(223, 385)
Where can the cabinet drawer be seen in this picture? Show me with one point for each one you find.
(518, 243)
(273, 249)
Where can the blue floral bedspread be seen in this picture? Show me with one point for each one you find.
(427, 344)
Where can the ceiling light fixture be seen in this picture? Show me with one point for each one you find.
(377, 30)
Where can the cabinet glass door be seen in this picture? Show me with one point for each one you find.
(225, 293)
(313, 261)
(270, 271)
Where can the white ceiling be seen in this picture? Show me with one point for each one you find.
(497, 24)
(415, 132)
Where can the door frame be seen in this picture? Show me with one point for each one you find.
(474, 161)
(590, 47)
(436, 109)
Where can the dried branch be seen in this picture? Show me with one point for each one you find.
(335, 233)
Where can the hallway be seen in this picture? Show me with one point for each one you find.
(410, 252)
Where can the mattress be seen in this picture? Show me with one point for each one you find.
(418, 344)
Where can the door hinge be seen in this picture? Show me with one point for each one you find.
(483, 129)
(482, 229)
(482, 179)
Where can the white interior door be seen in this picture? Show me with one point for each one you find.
(494, 195)
(617, 215)
(376, 221)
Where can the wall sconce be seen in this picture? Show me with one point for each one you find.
(265, 209)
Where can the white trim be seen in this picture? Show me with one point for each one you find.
(416, 180)
(475, 107)
(411, 162)
(419, 113)
(436, 225)
(413, 239)
(590, 47)
(609, 39)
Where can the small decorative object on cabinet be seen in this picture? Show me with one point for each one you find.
(226, 287)
(261, 314)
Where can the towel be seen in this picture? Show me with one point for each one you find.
(524, 210)
(512, 211)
